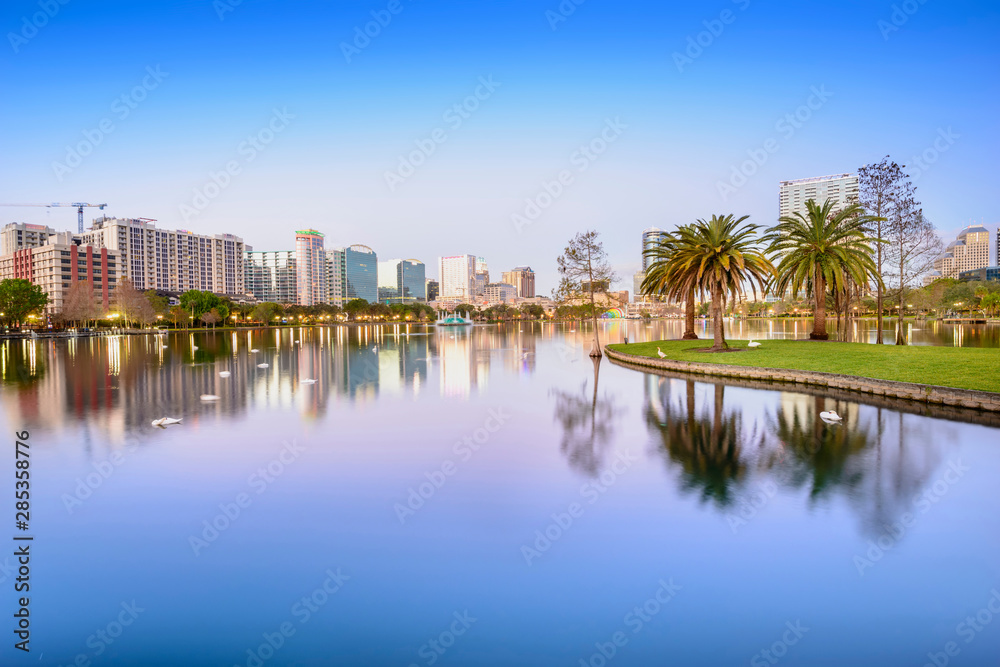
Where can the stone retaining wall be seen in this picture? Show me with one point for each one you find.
(923, 393)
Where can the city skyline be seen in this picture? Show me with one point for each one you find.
(287, 142)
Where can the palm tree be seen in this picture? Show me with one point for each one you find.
(721, 256)
(823, 248)
(667, 277)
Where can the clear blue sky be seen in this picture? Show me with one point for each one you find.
(891, 92)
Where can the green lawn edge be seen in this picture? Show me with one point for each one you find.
(958, 367)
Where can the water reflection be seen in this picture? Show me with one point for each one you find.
(588, 425)
(707, 444)
(878, 460)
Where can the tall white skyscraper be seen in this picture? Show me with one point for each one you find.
(793, 195)
(457, 276)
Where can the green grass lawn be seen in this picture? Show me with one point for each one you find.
(960, 367)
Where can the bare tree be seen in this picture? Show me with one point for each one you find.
(880, 186)
(129, 301)
(913, 246)
(80, 305)
(584, 267)
(211, 317)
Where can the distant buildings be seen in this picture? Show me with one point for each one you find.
(354, 270)
(433, 290)
(401, 281)
(20, 235)
(793, 195)
(271, 276)
(969, 252)
(60, 262)
(310, 266)
(500, 293)
(171, 260)
(458, 277)
(523, 280)
(650, 237)
(987, 273)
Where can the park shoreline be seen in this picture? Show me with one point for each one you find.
(920, 393)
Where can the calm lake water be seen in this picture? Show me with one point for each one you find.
(488, 496)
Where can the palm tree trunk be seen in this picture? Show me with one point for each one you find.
(717, 325)
(689, 333)
(819, 309)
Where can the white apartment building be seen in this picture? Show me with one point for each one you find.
(20, 235)
(793, 195)
(172, 260)
(457, 277)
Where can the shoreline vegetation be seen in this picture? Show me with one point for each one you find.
(965, 368)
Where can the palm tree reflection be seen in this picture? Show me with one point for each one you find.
(791, 446)
(708, 445)
(588, 425)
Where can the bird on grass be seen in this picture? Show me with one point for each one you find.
(753, 344)
(659, 353)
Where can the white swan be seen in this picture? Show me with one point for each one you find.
(753, 344)
(659, 352)
(261, 365)
(209, 397)
(830, 416)
(254, 351)
(307, 381)
(163, 422)
(194, 347)
(224, 374)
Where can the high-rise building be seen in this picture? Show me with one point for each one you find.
(433, 289)
(650, 237)
(310, 261)
(401, 281)
(271, 275)
(969, 252)
(793, 195)
(458, 277)
(20, 235)
(523, 280)
(61, 262)
(352, 274)
(637, 279)
(171, 260)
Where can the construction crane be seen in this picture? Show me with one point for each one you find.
(79, 206)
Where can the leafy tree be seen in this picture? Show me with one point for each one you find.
(197, 302)
(672, 278)
(159, 304)
(355, 307)
(584, 267)
(266, 312)
(822, 248)
(724, 254)
(20, 298)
